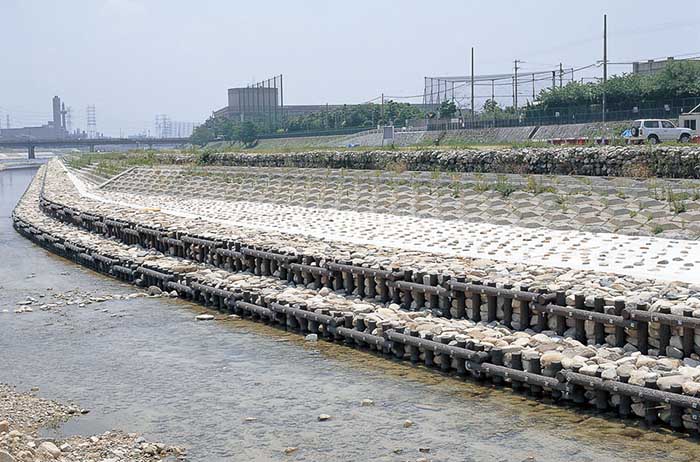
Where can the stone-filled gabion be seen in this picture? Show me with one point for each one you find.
(633, 161)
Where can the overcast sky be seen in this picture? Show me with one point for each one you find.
(133, 59)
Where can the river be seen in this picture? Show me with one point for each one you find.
(145, 365)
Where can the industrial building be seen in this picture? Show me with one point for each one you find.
(653, 67)
(53, 129)
(264, 102)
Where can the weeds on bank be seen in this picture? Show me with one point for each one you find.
(562, 202)
(110, 164)
(503, 186)
(677, 201)
(535, 187)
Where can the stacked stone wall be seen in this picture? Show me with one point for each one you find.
(628, 161)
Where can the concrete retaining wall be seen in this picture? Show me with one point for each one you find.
(589, 130)
(486, 135)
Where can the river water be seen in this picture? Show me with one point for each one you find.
(144, 365)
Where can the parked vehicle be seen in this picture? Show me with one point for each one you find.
(657, 130)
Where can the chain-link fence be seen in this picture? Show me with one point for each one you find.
(533, 116)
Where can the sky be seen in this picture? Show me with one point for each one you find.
(134, 59)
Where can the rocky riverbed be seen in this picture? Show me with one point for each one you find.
(24, 414)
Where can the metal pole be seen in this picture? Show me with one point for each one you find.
(282, 100)
(257, 100)
(605, 59)
(493, 99)
(515, 87)
(270, 104)
(561, 75)
(382, 108)
(274, 83)
(472, 85)
(425, 91)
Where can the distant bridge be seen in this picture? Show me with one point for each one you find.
(31, 145)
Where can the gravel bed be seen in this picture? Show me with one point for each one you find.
(23, 414)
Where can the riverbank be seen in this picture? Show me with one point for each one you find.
(490, 349)
(237, 390)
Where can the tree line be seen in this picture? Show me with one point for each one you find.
(679, 79)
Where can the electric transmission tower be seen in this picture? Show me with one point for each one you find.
(91, 121)
(163, 126)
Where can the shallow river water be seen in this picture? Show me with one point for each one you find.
(145, 365)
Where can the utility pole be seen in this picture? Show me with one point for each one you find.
(7, 121)
(472, 85)
(605, 59)
(382, 110)
(493, 100)
(515, 87)
(533, 87)
(282, 100)
(554, 80)
(561, 75)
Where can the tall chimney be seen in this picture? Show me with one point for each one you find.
(57, 115)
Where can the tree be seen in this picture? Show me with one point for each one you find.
(491, 106)
(678, 79)
(202, 135)
(248, 133)
(447, 109)
(355, 116)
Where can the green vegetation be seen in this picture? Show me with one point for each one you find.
(676, 200)
(447, 110)
(110, 164)
(356, 116)
(535, 187)
(680, 79)
(657, 229)
(562, 202)
(503, 186)
(223, 129)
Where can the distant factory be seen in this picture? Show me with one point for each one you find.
(53, 129)
(264, 102)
